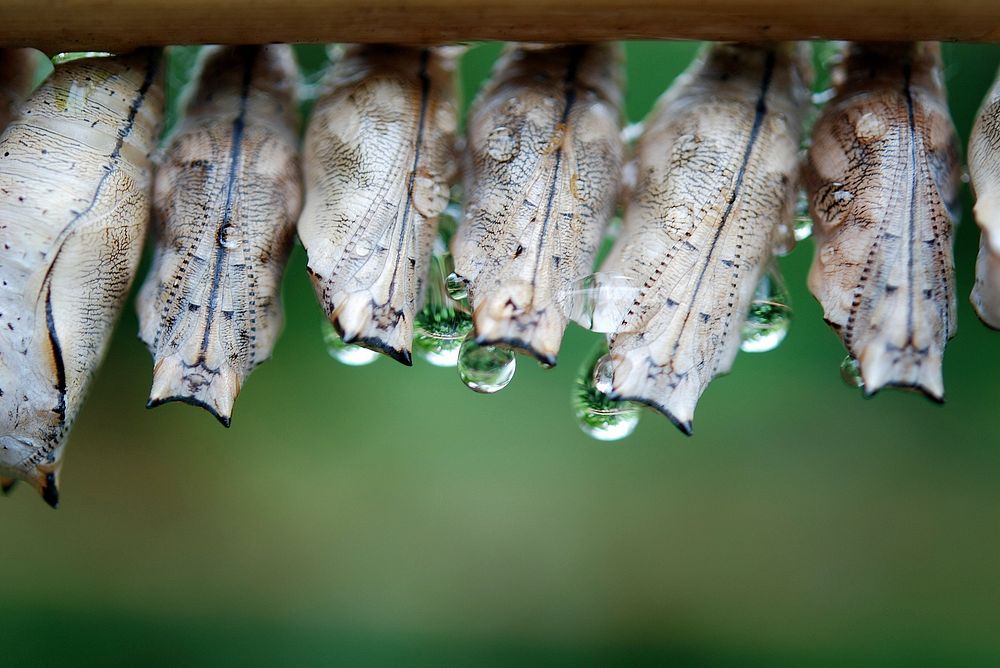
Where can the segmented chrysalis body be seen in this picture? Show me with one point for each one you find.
(379, 160)
(984, 169)
(716, 180)
(75, 176)
(17, 74)
(883, 178)
(226, 199)
(543, 173)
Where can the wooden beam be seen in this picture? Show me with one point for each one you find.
(114, 25)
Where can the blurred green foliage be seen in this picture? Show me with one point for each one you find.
(388, 516)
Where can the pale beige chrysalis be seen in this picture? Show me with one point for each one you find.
(378, 161)
(75, 173)
(542, 177)
(226, 198)
(984, 170)
(882, 177)
(716, 170)
(17, 74)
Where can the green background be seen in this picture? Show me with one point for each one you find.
(387, 515)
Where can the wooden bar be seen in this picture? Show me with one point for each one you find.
(114, 25)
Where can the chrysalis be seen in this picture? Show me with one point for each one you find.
(984, 169)
(75, 173)
(542, 175)
(17, 74)
(883, 178)
(379, 159)
(225, 200)
(715, 193)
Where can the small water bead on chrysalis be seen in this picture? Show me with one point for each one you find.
(501, 144)
(770, 315)
(850, 372)
(485, 369)
(457, 287)
(598, 302)
(345, 353)
(597, 415)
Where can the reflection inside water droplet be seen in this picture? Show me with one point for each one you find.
(850, 372)
(769, 317)
(598, 302)
(501, 144)
(345, 353)
(597, 415)
(444, 321)
(485, 369)
(228, 237)
(458, 287)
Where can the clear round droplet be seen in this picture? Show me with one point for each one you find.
(598, 302)
(345, 353)
(438, 333)
(430, 195)
(485, 369)
(501, 144)
(458, 288)
(850, 372)
(770, 315)
(228, 237)
(597, 415)
(361, 249)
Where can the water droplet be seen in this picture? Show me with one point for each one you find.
(458, 287)
(870, 127)
(770, 315)
(850, 372)
(598, 302)
(842, 196)
(485, 369)
(501, 144)
(345, 353)
(439, 331)
(228, 237)
(361, 248)
(597, 415)
(430, 195)
(803, 222)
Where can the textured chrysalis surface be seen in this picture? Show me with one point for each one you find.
(378, 161)
(17, 74)
(882, 178)
(75, 177)
(542, 178)
(984, 169)
(225, 201)
(716, 180)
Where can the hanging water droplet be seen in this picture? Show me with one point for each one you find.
(850, 372)
(770, 315)
(597, 415)
(598, 302)
(458, 287)
(501, 144)
(439, 331)
(345, 353)
(485, 369)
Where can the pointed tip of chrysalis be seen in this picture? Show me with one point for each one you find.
(883, 366)
(49, 490)
(6, 485)
(381, 329)
(215, 391)
(538, 334)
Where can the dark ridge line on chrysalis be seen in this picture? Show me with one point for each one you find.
(239, 124)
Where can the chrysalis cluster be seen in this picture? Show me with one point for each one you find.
(542, 176)
(379, 160)
(882, 178)
(75, 174)
(226, 200)
(716, 181)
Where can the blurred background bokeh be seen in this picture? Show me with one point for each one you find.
(388, 515)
